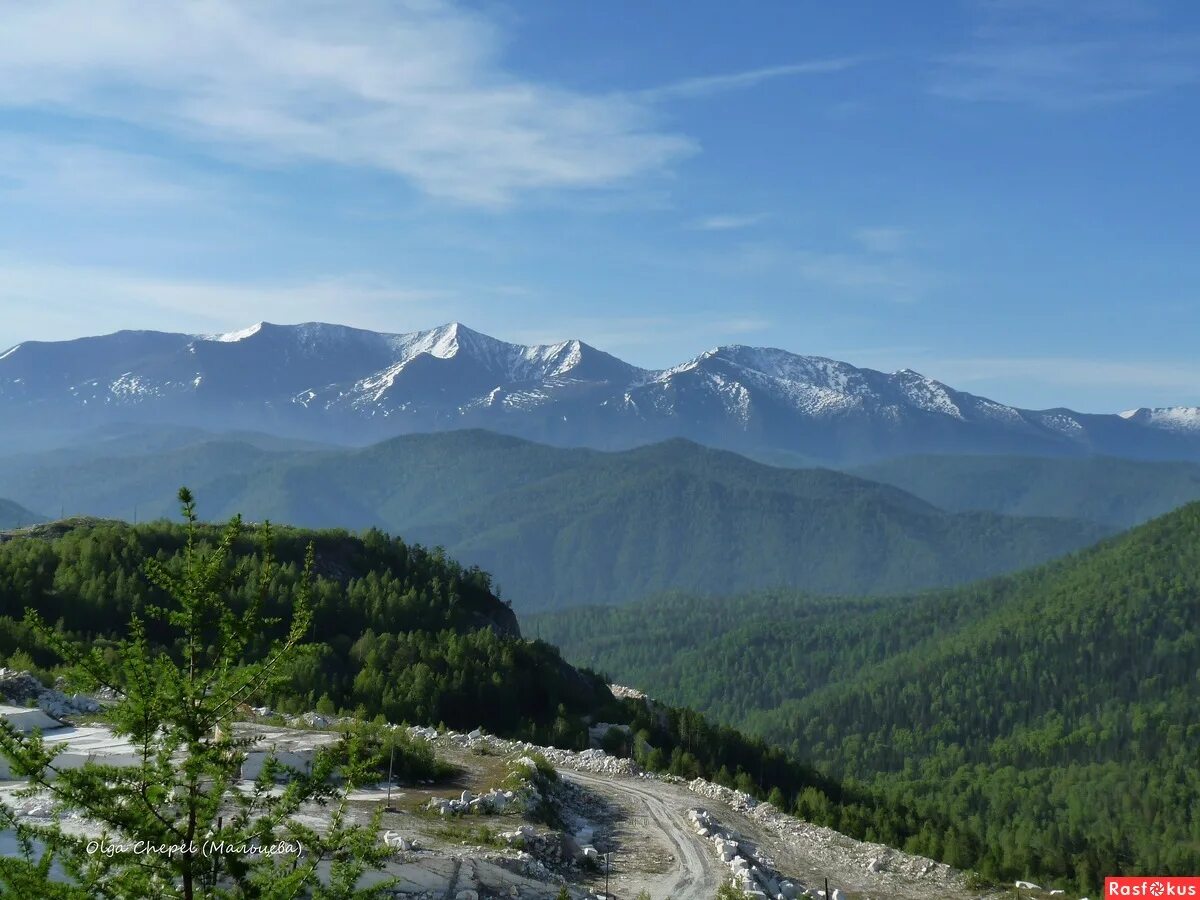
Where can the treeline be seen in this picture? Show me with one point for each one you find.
(1050, 720)
(398, 630)
(563, 527)
(408, 635)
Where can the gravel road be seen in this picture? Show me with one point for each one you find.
(656, 814)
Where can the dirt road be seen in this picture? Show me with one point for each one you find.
(658, 815)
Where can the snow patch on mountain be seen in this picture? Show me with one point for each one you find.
(317, 379)
(232, 337)
(1184, 419)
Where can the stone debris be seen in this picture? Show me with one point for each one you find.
(594, 760)
(833, 851)
(23, 689)
(495, 801)
(753, 872)
(622, 692)
(310, 720)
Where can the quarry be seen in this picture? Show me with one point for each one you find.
(600, 827)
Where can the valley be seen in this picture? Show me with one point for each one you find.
(565, 527)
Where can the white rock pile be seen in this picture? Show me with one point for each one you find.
(753, 872)
(496, 800)
(834, 850)
(493, 801)
(22, 689)
(594, 760)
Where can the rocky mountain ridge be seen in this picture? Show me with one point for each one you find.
(331, 382)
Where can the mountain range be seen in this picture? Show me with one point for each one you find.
(14, 515)
(560, 526)
(1117, 492)
(332, 383)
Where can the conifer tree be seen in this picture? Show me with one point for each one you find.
(180, 823)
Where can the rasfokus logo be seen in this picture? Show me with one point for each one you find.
(1152, 886)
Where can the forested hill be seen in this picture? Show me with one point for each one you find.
(410, 635)
(14, 515)
(399, 630)
(1116, 492)
(561, 527)
(1053, 716)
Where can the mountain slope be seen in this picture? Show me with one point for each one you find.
(315, 381)
(563, 527)
(14, 515)
(399, 632)
(1116, 492)
(1051, 715)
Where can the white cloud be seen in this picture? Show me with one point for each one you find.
(889, 278)
(78, 176)
(875, 265)
(704, 86)
(56, 302)
(1102, 385)
(882, 239)
(1064, 55)
(414, 88)
(728, 222)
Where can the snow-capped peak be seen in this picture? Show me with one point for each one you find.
(1167, 418)
(232, 337)
(319, 379)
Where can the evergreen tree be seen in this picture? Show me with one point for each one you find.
(177, 699)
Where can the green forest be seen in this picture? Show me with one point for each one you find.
(564, 527)
(406, 634)
(1106, 490)
(1052, 717)
(1042, 725)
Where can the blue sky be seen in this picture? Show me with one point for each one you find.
(1001, 194)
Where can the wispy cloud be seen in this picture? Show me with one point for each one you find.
(415, 88)
(43, 302)
(728, 222)
(874, 263)
(882, 239)
(1057, 54)
(704, 86)
(1175, 378)
(53, 174)
(888, 278)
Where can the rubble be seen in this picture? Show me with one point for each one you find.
(23, 689)
(495, 801)
(594, 760)
(752, 871)
(622, 692)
